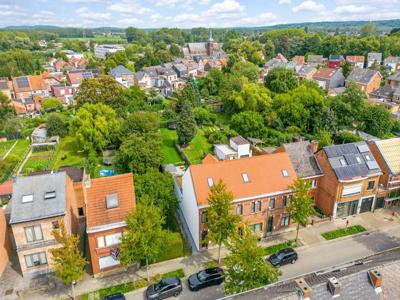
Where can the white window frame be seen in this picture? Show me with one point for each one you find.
(112, 201)
(27, 198)
(210, 182)
(352, 190)
(100, 242)
(113, 239)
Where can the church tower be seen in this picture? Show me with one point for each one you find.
(210, 44)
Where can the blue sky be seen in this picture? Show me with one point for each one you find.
(190, 13)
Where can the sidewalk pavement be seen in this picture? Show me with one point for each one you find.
(309, 237)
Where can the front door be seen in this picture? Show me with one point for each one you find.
(366, 204)
(379, 202)
(270, 224)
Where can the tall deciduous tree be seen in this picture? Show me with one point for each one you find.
(68, 262)
(94, 126)
(281, 80)
(301, 205)
(138, 153)
(143, 240)
(6, 109)
(56, 125)
(246, 266)
(221, 221)
(186, 124)
(99, 90)
(246, 69)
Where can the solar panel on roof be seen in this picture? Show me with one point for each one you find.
(363, 148)
(87, 75)
(22, 82)
(372, 165)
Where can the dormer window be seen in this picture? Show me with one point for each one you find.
(50, 195)
(27, 198)
(245, 178)
(367, 157)
(285, 173)
(342, 162)
(112, 201)
(358, 159)
(210, 182)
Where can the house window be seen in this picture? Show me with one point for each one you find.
(256, 227)
(27, 198)
(252, 207)
(371, 185)
(285, 173)
(314, 184)
(271, 203)
(113, 239)
(112, 201)
(351, 190)
(100, 242)
(284, 201)
(36, 259)
(245, 178)
(239, 209)
(285, 221)
(258, 206)
(55, 224)
(80, 211)
(203, 217)
(50, 195)
(210, 182)
(33, 233)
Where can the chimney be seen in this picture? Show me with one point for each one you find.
(375, 278)
(303, 289)
(299, 138)
(88, 182)
(314, 146)
(334, 287)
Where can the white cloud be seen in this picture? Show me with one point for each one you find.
(351, 9)
(263, 19)
(225, 9)
(308, 5)
(89, 14)
(129, 7)
(280, 2)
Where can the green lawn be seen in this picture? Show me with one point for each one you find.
(334, 234)
(4, 147)
(198, 148)
(37, 162)
(275, 248)
(171, 155)
(68, 154)
(16, 155)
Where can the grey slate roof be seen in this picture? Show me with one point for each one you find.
(303, 160)
(352, 160)
(395, 77)
(385, 92)
(375, 56)
(119, 71)
(39, 208)
(362, 76)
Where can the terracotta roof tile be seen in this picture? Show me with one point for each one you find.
(325, 73)
(209, 159)
(6, 188)
(264, 173)
(97, 213)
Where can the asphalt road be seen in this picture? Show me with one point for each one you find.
(312, 259)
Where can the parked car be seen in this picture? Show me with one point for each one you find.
(205, 278)
(283, 257)
(166, 287)
(117, 296)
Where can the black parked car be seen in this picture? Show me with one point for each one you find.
(117, 296)
(283, 257)
(205, 278)
(165, 288)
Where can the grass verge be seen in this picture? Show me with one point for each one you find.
(130, 286)
(171, 155)
(334, 234)
(198, 147)
(277, 247)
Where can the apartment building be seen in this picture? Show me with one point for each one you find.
(260, 186)
(350, 182)
(38, 204)
(387, 154)
(108, 202)
(101, 51)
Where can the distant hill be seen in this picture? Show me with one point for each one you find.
(383, 25)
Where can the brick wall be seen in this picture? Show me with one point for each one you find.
(5, 243)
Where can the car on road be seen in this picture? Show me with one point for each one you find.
(117, 296)
(166, 287)
(283, 257)
(205, 278)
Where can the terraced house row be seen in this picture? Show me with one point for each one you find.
(345, 180)
(93, 207)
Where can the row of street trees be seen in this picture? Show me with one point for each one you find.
(145, 237)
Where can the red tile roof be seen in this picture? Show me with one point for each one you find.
(264, 173)
(325, 73)
(97, 212)
(6, 188)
